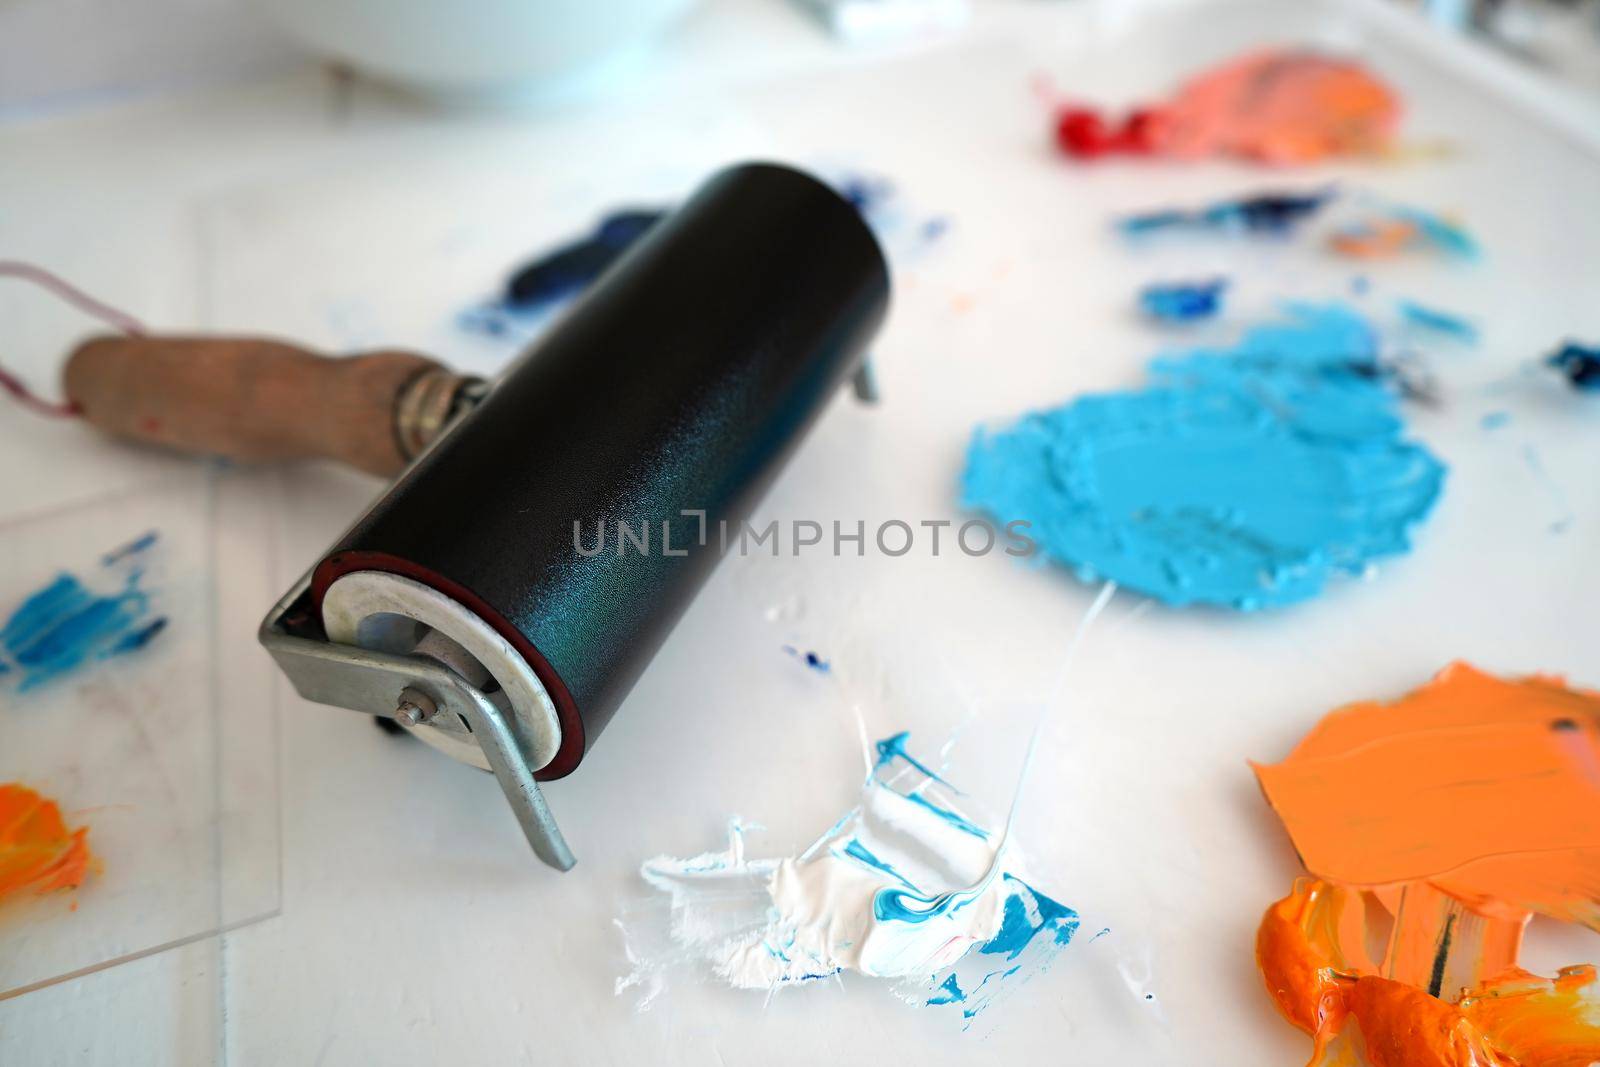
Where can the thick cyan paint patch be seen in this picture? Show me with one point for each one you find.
(71, 622)
(904, 887)
(38, 852)
(1461, 810)
(1245, 477)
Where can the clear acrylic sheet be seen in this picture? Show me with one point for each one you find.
(166, 752)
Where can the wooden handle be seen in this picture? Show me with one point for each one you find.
(247, 398)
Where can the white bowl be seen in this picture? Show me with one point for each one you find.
(478, 47)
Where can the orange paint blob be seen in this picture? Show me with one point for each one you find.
(1281, 107)
(1455, 813)
(37, 852)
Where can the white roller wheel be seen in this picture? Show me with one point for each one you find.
(359, 609)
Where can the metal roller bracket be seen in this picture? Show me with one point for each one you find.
(361, 679)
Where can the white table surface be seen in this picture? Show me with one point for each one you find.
(412, 925)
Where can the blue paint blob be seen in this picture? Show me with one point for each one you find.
(64, 625)
(1271, 214)
(1183, 301)
(1245, 477)
(1580, 363)
(1438, 321)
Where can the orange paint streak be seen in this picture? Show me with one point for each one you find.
(1460, 809)
(37, 851)
(1282, 107)
(1384, 239)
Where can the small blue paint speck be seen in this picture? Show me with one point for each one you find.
(810, 659)
(1183, 301)
(1494, 420)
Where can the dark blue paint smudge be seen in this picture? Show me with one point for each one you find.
(1580, 363)
(1183, 301)
(1244, 476)
(1271, 214)
(567, 271)
(810, 659)
(65, 625)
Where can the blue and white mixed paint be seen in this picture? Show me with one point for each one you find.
(904, 886)
(72, 622)
(1245, 476)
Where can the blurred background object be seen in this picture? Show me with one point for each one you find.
(60, 55)
(479, 47)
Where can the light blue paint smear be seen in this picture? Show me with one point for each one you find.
(1244, 477)
(966, 826)
(1438, 321)
(894, 748)
(1442, 234)
(65, 625)
(949, 992)
(857, 851)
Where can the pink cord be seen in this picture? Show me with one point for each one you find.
(79, 299)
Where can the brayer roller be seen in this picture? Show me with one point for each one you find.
(470, 603)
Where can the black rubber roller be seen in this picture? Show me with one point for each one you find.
(679, 384)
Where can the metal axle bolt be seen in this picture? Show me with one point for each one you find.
(415, 707)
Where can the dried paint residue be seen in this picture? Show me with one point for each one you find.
(38, 853)
(905, 886)
(1461, 811)
(1245, 476)
(1282, 106)
(71, 621)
